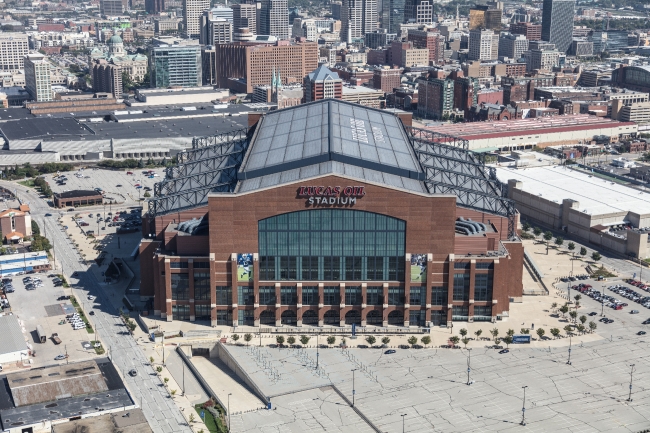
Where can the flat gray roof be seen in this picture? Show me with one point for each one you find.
(11, 337)
(330, 130)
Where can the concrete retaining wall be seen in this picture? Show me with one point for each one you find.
(225, 356)
(200, 378)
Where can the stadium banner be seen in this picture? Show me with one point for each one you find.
(245, 267)
(418, 268)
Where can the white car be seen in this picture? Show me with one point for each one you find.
(91, 298)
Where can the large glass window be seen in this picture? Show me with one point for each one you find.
(483, 287)
(202, 312)
(289, 295)
(332, 295)
(438, 295)
(461, 287)
(331, 245)
(396, 296)
(202, 286)
(267, 295)
(353, 295)
(245, 295)
(309, 295)
(224, 317)
(180, 284)
(418, 296)
(224, 295)
(375, 295)
(245, 318)
(181, 312)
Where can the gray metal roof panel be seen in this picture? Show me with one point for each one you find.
(11, 337)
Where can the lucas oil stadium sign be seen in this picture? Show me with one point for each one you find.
(331, 195)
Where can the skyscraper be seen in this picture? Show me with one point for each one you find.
(192, 12)
(244, 16)
(274, 18)
(392, 15)
(358, 17)
(13, 49)
(154, 7)
(37, 77)
(418, 11)
(483, 45)
(557, 23)
(178, 65)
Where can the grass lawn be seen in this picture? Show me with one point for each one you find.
(213, 425)
(28, 182)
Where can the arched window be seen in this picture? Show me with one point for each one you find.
(332, 245)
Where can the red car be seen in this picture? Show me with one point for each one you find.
(136, 185)
(129, 172)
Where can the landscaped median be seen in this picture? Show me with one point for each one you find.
(214, 417)
(83, 317)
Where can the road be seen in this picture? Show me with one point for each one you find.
(146, 389)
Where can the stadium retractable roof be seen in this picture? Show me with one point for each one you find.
(331, 136)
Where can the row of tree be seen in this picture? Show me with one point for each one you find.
(27, 170)
(559, 241)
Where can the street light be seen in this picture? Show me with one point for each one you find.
(629, 397)
(403, 418)
(317, 335)
(469, 359)
(523, 408)
(353, 391)
(229, 410)
(569, 360)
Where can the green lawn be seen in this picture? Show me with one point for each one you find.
(214, 426)
(28, 182)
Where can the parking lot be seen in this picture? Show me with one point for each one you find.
(45, 306)
(108, 181)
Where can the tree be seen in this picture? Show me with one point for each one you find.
(554, 306)
(596, 256)
(151, 360)
(192, 418)
(235, 337)
(525, 331)
(141, 163)
(573, 314)
(370, 340)
(508, 340)
(248, 338)
(592, 326)
(540, 332)
(331, 340)
(559, 241)
(537, 231)
(291, 340)
(577, 297)
(172, 392)
(581, 328)
(304, 340)
(555, 332)
(568, 329)
(510, 332)
(146, 194)
(564, 309)
(583, 251)
(583, 319)
(385, 340)
(454, 340)
(525, 227)
(159, 369)
(495, 334)
(426, 340)
(478, 333)
(166, 380)
(127, 82)
(280, 340)
(463, 332)
(571, 246)
(412, 340)
(547, 237)
(465, 341)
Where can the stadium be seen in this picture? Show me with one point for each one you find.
(330, 214)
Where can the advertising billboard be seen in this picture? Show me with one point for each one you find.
(521, 339)
(245, 267)
(418, 268)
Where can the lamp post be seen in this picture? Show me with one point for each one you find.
(403, 421)
(229, 410)
(523, 408)
(629, 397)
(602, 304)
(353, 390)
(569, 360)
(469, 359)
(317, 335)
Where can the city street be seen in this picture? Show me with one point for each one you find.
(146, 389)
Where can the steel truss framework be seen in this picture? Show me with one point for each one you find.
(211, 165)
(452, 169)
(437, 137)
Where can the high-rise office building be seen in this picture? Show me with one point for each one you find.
(483, 45)
(512, 46)
(387, 79)
(392, 15)
(322, 84)
(111, 8)
(37, 77)
(215, 30)
(484, 17)
(358, 17)
(274, 18)
(557, 23)
(418, 11)
(13, 49)
(533, 32)
(244, 15)
(154, 7)
(107, 78)
(436, 98)
(192, 12)
(432, 41)
(175, 65)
